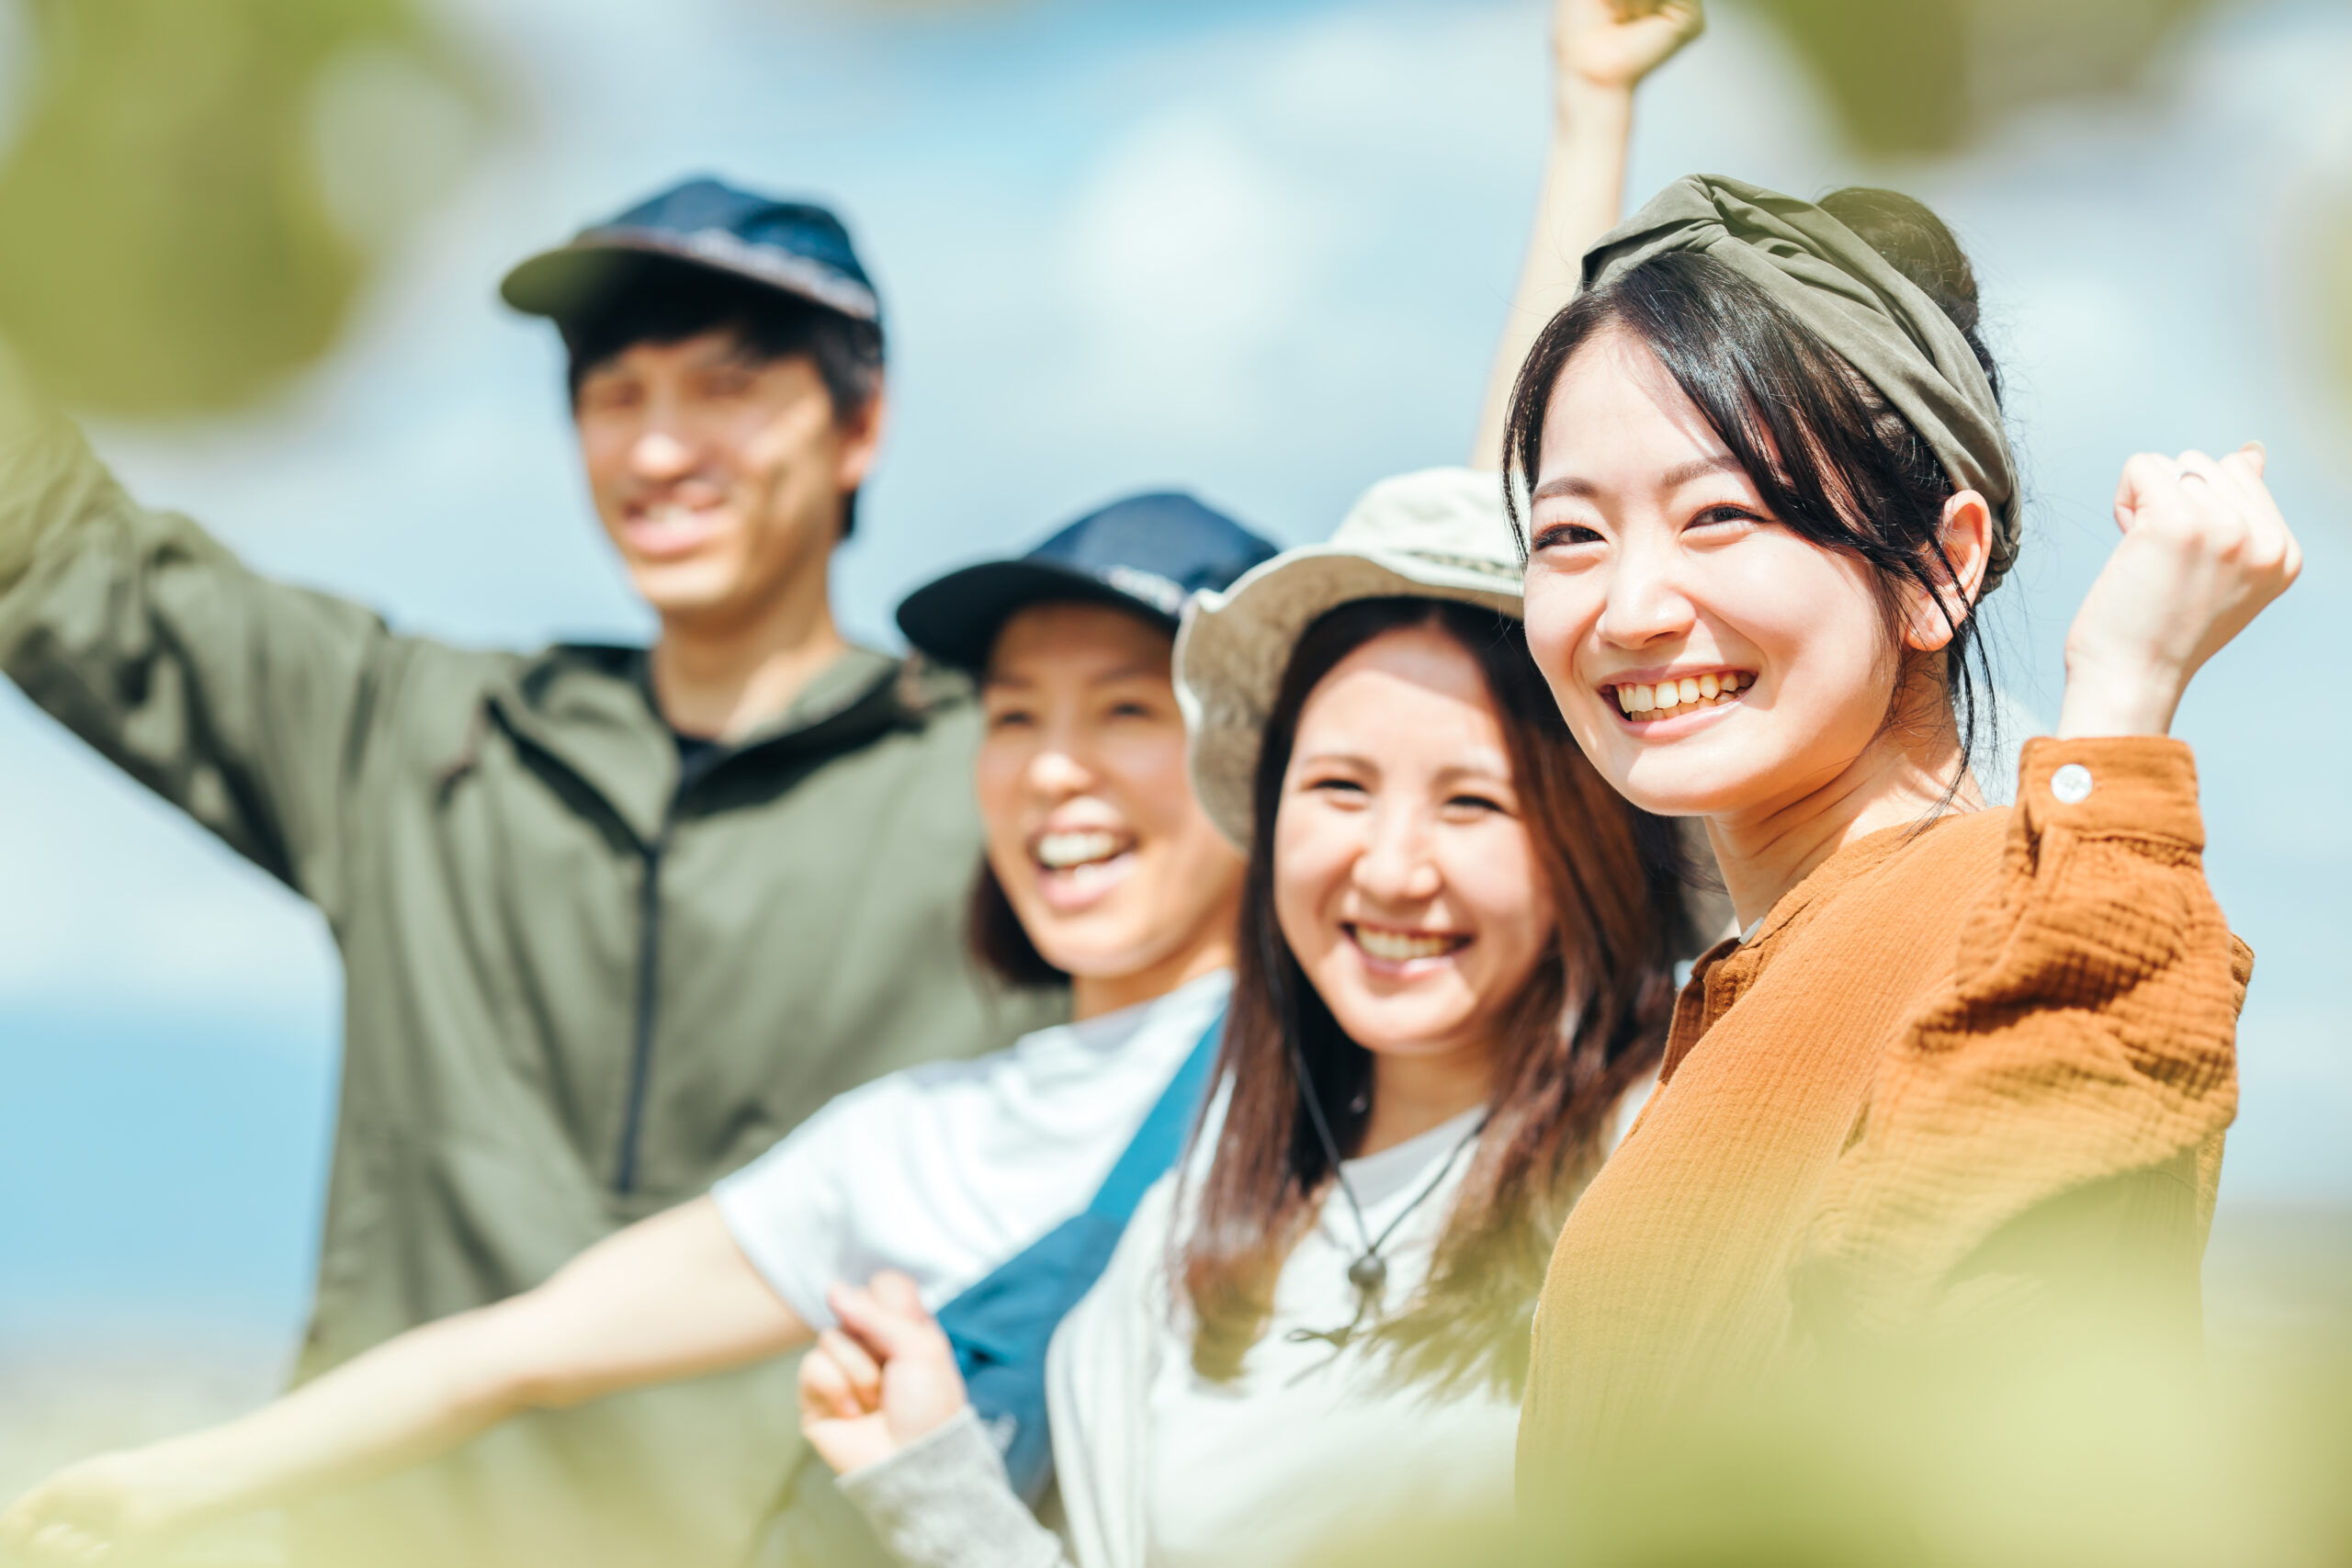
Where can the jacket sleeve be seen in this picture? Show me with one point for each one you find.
(244, 701)
(2054, 1119)
(944, 1502)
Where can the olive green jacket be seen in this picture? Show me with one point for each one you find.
(578, 990)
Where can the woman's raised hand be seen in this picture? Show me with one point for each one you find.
(2204, 549)
(1613, 44)
(89, 1511)
(886, 1377)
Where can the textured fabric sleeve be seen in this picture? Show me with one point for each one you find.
(942, 1502)
(2076, 1079)
(244, 701)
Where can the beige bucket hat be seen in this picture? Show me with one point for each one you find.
(1440, 534)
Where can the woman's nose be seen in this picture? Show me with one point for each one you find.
(1395, 867)
(1056, 773)
(1644, 604)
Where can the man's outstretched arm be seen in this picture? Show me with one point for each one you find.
(245, 702)
(1601, 51)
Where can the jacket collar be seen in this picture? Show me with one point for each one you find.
(1725, 971)
(590, 708)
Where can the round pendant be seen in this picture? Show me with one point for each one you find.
(1369, 1273)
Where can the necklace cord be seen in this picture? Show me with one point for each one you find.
(1339, 1338)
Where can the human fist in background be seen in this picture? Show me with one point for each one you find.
(1613, 44)
(886, 1377)
(2204, 551)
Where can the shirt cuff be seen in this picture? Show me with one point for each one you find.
(944, 1502)
(2141, 786)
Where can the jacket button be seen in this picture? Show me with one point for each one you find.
(2071, 784)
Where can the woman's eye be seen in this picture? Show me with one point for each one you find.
(1345, 788)
(1726, 513)
(1467, 805)
(1561, 535)
(1010, 718)
(1131, 710)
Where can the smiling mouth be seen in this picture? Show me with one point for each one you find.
(1079, 863)
(673, 528)
(1643, 701)
(1386, 944)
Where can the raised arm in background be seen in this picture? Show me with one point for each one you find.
(242, 701)
(670, 1297)
(1600, 51)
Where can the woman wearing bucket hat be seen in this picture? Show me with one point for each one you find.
(970, 1179)
(1966, 1070)
(1455, 958)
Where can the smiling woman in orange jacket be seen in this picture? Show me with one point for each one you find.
(1965, 1069)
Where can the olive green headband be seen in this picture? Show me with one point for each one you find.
(1883, 323)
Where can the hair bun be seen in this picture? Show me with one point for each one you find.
(1917, 245)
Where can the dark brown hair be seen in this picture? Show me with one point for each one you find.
(1000, 943)
(1589, 1023)
(1830, 458)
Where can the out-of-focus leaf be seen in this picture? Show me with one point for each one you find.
(170, 241)
(1926, 75)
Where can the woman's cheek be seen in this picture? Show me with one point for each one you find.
(1297, 881)
(1555, 621)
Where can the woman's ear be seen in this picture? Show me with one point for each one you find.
(1932, 621)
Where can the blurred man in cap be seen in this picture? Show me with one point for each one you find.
(612, 918)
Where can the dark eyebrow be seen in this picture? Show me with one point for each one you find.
(1673, 478)
(1698, 469)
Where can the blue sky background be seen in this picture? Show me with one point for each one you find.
(1260, 249)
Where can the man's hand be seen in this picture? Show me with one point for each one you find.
(886, 1377)
(89, 1512)
(1613, 44)
(2204, 550)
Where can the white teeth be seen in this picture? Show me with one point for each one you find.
(1059, 852)
(1669, 695)
(1401, 947)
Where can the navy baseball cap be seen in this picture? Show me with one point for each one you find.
(794, 246)
(1147, 553)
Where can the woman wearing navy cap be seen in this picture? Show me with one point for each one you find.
(1101, 866)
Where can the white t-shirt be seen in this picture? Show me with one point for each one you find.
(1310, 1441)
(946, 1171)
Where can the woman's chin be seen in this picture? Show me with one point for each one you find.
(1403, 1026)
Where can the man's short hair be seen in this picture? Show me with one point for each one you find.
(658, 301)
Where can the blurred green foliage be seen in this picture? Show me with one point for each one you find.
(2052, 1463)
(1908, 76)
(196, 187)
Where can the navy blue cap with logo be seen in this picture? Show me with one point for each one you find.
(797, 247)
(1147, 553)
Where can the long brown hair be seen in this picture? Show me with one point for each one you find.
(1589, 1023)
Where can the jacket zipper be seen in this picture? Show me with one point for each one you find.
(648, 968)
(649, 973)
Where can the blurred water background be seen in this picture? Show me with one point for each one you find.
(1259, 249)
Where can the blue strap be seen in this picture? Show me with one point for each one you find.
(1002, 1326)
(1161, 1137)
